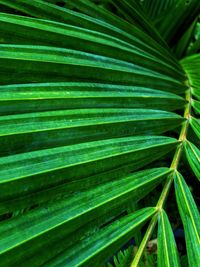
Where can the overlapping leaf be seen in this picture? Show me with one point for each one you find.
(167, 250)
(55, 221)
(23, 98)
(178, 20)
(193, 156)
(192, 66)
(23, 30)
(157, 9)
(32, 171)
(190, 217)
(196, 106)
(29, 131)
(195, 126)
(113, 25)
(82, 97)
(93, 250)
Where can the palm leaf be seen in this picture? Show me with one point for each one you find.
(191, 65)
(190, 217)
(23, 98)
(85, 95)
(35, 170)
(193, 156)
(174, 24)
(167, 250)
(195, 126)
(58, 220)
(196, 106)
(102, 244)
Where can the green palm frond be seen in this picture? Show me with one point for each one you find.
(95, 116)
(167, 250)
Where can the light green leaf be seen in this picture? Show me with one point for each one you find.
(28, 172)
(29, 131)
(195, 126)
(193, 157)
(41, 63)
(95, 249)
(196, 93)
(23, 30)
(196, 106)
(106, 23)
(167, 250)
(56, 220)
(84, 95)
(22, 98)
(190, 218)
(191, 65)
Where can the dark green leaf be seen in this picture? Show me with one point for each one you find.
(46, 226)
(39, 63)
(64, 127)
(28, 172)
(93, 250)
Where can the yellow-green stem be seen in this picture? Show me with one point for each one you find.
(167, 186)
(145, 239)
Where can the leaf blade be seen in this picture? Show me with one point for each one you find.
(190, 217)
(193, 157)
(22, 169)
(60, 218)
(90, 260)
(23, 98)
(195, 126)
(167, 250)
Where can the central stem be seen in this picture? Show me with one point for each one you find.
(167, 186)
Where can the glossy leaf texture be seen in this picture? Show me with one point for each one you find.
(39, 63)
(193, 157)
(117, 28)
(191, 65)
(167, 249)
(190, 218)
(101, 243)
(36, 170)
(91, 105)
(23, 98)
(196, 106)
(33, 31)
(30, 130)
(129, 10)
(195, 123)
(62, 190)
(47, 226)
